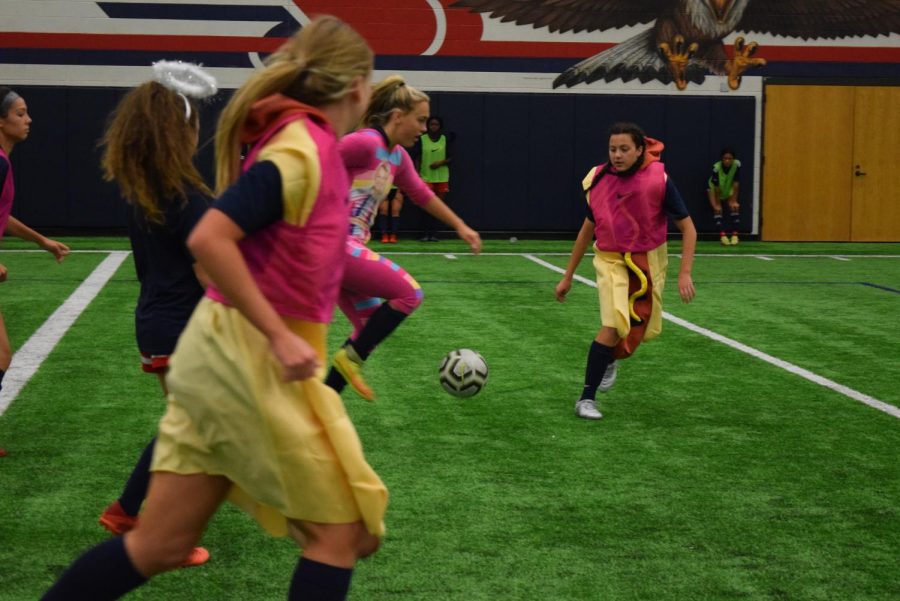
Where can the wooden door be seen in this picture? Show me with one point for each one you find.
(876, 165)
(808, 151)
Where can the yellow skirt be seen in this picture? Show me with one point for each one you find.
(289, 448)
(612, 287)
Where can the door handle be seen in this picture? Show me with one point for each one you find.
(857, 173)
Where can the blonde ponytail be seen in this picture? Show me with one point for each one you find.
(316, 66)
(391, 94)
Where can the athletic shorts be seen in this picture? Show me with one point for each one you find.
(154, 364)
(439, 187)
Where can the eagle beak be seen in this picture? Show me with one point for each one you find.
(720, 8)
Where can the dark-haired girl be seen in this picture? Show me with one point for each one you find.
(15, 125)
(723, 187)
(629, 200)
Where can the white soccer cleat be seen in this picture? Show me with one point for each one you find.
(609, 377)
(587, 409)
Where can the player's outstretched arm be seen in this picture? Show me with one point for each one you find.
(439, 209)
(585, 235)
(689, 237)
(18, 229)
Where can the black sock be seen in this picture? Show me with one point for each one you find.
(717, 217)
(335, 380)
(135, 490)
(395, 221)
(379, 326)
(599, 358)
(2, 373)
(382, 224)
(735, 222)
(104, 572)
(319, 581)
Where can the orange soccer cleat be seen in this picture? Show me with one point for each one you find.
(116, 520)
(198, 557)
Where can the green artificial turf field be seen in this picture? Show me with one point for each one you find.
(737, 459)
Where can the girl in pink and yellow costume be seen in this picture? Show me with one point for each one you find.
(629, 200)
(249, 418)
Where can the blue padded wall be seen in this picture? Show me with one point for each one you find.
(519, 158)
(524, 173)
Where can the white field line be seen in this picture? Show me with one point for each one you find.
(763, 258)
(451, 257)
(27, 360)
(838, 258)
(785, 365)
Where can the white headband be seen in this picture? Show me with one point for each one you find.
(187, 107)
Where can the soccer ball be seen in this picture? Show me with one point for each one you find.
(463, 372)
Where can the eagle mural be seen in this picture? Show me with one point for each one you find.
(685, 40)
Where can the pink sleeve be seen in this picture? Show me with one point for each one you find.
(408, 180)
(356, 151)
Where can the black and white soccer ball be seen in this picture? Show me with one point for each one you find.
(463, 372)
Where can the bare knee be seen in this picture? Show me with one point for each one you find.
(608, 336)
(337, 544)
(153, 554)
(368, 545)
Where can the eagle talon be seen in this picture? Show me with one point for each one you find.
(743, 60)
(707, 21)
(677, 58)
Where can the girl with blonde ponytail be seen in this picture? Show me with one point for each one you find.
(316, 68)
(375, 158)
(248, 417)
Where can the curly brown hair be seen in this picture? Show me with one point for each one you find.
(148, 149)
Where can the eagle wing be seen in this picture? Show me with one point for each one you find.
(822, 19)
(569, 15)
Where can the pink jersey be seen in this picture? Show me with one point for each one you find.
(628, 211)
(7, 192)
(298, 262)
(373, 169)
